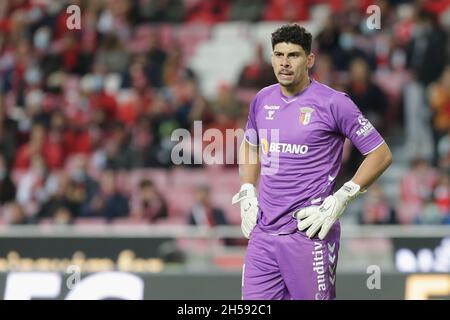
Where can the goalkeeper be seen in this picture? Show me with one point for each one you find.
(295, 134)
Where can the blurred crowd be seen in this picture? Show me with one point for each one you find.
(78, 106)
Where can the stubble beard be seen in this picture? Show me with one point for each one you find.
(289, 84)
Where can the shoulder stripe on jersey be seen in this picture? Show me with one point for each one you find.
(365, 154)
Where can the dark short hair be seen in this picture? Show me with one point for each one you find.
(146, 183)
(293, 33)
(203, 188)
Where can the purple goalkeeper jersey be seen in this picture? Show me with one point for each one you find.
(301, 140)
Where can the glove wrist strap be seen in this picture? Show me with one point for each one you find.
(349, 191)
(247, 191)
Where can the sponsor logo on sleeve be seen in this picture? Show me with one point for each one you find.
(366, 127)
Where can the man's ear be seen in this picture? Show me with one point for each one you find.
(310, 60)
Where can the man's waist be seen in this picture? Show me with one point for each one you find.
(287, 228)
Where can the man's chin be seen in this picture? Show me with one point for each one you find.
(286, 84)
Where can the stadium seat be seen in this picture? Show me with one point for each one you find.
(94, 221)
(189, 178)
(129, 221)
(46, 221)
(228, 261)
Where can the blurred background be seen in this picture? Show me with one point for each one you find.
(89, 195)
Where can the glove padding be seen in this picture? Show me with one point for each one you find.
(249, 207)
(323, 217)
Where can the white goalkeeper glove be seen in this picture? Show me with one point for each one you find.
(323, 217)
(249, 207)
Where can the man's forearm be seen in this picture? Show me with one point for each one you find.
(373, 166)
(249, 164)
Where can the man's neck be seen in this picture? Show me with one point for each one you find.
(292, 91)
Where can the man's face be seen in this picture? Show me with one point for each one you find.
(202, 196)
(290, 63)
(148, 192)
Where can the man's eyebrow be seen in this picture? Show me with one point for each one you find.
(288, 53)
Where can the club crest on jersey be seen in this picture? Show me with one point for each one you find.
(305, 115)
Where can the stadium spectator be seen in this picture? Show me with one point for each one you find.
(246, 10)
(102, 104)
(31, 191)
(156, 57)
(377, 208)
(352, 45)
(371, 100)
(208, 12)
(13, 214)
(328, 37)
(109, 202)
(62, 216)
(56, 189)
(441, 194)
(88, 39)
(148, 204)
(82, 186)
(258, 73)
(323, 71)
(115, 16)
(141, 144)
(117, 149)
(443, 152)
(112, 54)
(175, 69)
(366, 94)
(417, 187)
(78, 136)
(7, 186)
(226, 107)
(8, 132)
(204, 213)
(49, 148)
(439, 99)
(171, 11)
(428, 43)
(430, 213)
(285, 10)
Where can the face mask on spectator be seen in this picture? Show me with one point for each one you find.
(98, 83)
(346, 41)
(41, 39)
(79, 175)
(33, 76)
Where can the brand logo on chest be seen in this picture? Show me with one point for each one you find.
(270, 111)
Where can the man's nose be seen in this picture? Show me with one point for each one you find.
(285, 62)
